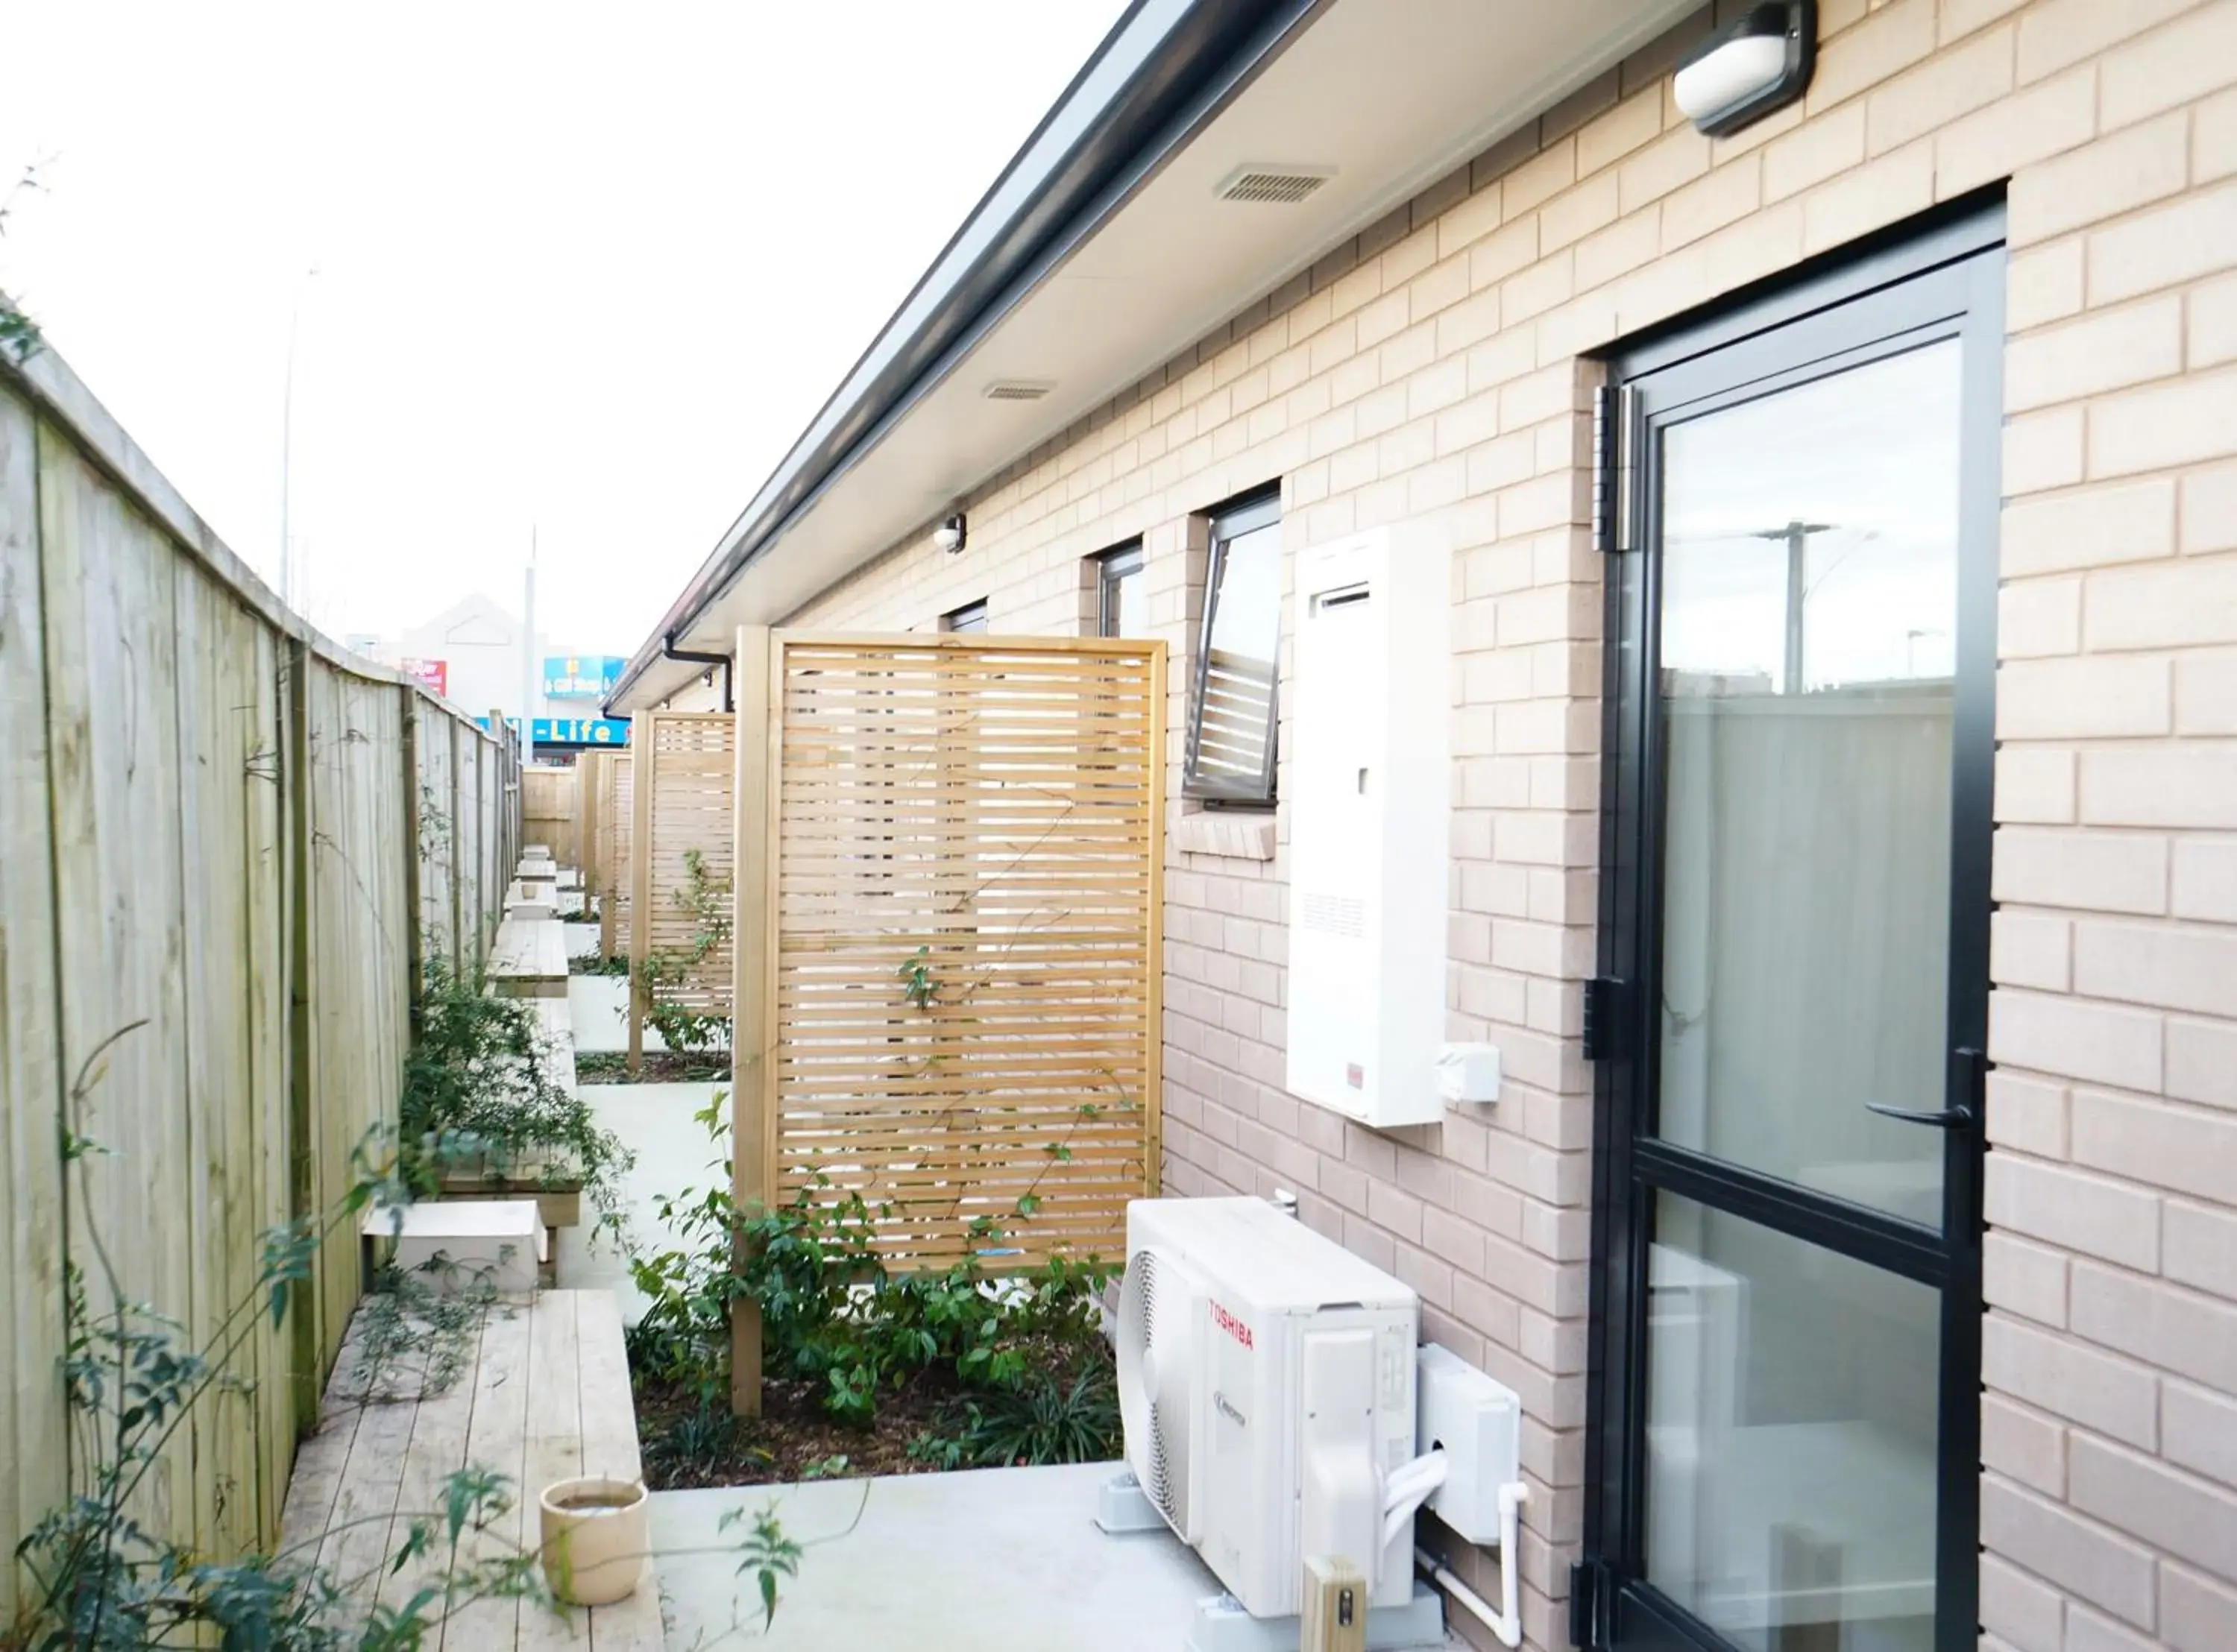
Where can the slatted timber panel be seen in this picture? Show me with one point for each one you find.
(616, 833)
(691, 760)
(990, 808)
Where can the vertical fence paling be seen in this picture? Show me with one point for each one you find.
(218, 827)
(953, 946)
(548, 813)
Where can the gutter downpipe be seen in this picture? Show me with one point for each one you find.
(670, 651)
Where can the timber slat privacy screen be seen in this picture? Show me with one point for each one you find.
(689, 764)
(965, 920)
(616, 826)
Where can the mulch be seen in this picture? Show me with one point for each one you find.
(793, 1436)
(654, 1066)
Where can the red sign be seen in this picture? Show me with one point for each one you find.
(436, 674)
(1233, 1326)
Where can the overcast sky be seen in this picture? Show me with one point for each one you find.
(591, 270)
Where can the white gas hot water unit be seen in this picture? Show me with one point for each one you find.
(1369, 785)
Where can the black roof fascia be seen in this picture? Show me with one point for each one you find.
(1164, 70)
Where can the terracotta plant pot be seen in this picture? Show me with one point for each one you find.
(596, 1538)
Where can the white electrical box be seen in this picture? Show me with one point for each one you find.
(1370, 788)
(1476, 1421)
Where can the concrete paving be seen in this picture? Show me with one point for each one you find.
(582, 939)
(673, 1154)
(600, 1003)
(994, 1559)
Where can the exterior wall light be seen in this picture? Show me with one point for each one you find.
(1762, 63)
(948, 536)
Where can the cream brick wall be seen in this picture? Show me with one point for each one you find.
(1431, 369)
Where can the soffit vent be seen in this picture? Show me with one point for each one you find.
(1018, 389)
(1276, 186)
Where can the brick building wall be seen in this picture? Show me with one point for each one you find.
(1432, 369)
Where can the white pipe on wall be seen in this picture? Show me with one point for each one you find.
(1506, 1623)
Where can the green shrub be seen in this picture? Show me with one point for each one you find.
(832, 1314)
(480, 1096)
(1045, 1418)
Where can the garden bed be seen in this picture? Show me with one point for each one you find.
(654, 1066)
(921, 1427)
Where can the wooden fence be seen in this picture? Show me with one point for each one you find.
(682, 840)
(225, 843)
(948, 998)
(548, 813)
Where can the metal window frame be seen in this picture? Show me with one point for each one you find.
(1942, 280)
(1261, 507)
(1113, 568)
(970, 616)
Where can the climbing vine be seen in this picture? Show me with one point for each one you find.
(674, 982)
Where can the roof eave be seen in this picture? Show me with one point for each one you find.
(1166, 69)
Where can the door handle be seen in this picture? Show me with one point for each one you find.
(1968, 1068)
(1940, 1118)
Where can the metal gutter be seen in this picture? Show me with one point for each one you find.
(1166, 69)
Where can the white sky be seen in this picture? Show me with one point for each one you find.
(590, 268)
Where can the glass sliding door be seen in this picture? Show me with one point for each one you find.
(1793, 992)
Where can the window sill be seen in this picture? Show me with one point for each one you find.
(1239, 836)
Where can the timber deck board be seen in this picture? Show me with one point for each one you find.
(544, 1394)
(528, 959)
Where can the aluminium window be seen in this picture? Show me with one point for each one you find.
(972, 616)
(1231, 714)
(1122, 594)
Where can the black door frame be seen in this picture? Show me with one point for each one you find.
(1941, 279)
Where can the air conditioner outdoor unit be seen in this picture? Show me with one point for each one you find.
(1266, 1379)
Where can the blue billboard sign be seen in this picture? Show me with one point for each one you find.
(571, 730)
(579, 731)
(582, 676)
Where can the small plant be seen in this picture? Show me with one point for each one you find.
(591, 964)
(699, 1442)
(835, 1317)
(1045, 1418)
(480, 1098)
(765, 1552)
(917, 985)
(671, 980)
(415, 1329)
(19, 334)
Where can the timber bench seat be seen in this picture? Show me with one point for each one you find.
(544, 1395)
(528, 959)
(503, 1240)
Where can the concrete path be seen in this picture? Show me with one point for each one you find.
(673, 1154)
(995, 1560)
(600, 1003)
